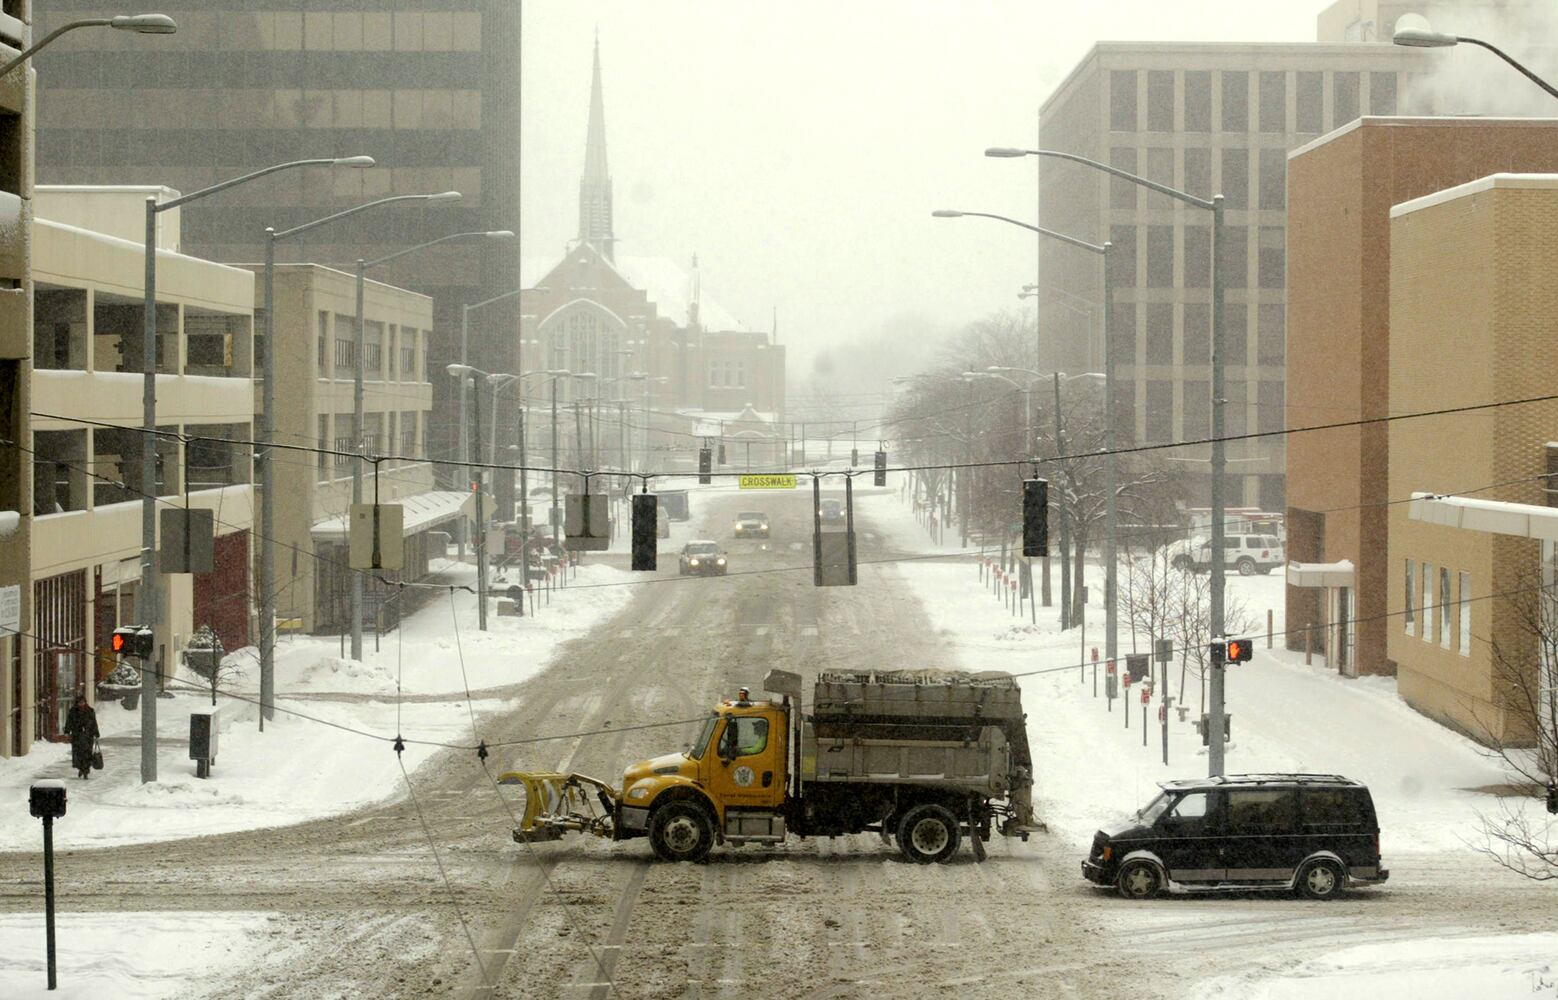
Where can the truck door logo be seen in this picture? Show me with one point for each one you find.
(743, 776)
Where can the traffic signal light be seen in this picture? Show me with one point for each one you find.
(879, 477)
(1552, 797)
(1240, 650)
(1035, 517)
(645, 507)
(704, 466)
(132, 640)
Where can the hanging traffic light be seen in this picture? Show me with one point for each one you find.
(1035, 517)
(132, 640)
(1240, 650)
(1552, 797)
(645, 508)
(879, 477)
(705, 457)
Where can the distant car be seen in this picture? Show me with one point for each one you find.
(662, 522)
(831, 511)
(1249, 554)
(702, 558)
(1314, 834)
(752, 524)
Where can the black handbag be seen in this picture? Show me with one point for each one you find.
(97, 757)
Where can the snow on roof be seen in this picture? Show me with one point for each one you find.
(1501, 180)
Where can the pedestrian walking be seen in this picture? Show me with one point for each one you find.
(81, 727)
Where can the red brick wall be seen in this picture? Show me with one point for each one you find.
(222, 595)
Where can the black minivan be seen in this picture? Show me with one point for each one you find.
(1315, 834)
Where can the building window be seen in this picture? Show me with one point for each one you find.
(1197, 335)
(1122, 255)
(1273, 178)
(1236, 102)
(1236, 335)
(1271, 264)
(1160, 333)
(1465, 595)
(1408, 612)
(408, 353)
(1274, 102)
(1428, 602)
(1236, 178)
(1198, 100)
(1196, 410)
(408, 434)
(1198, 256)
(1160, 410)
(1444, 607)
(323, 359)
(1236, 256)
(741, 374)
(1311, 102)
(1160, 100)
(1270, 334)
(1269, 403)
(1382, 93)
(1160, 256)
(1344, 98)
(1198, 172)
(1122, 193)
(1122, 100)
(1122, 333)
(324, 445)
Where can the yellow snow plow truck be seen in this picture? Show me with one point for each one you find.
(924, 757)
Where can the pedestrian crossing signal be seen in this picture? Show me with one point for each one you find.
(705, 459)
(1240, 650)
(879, 477)
(132, 640)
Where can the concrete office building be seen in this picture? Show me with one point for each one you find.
(430, 90)
(1471, 302)
(316, 328)
(18, 722)
(87, 439)
(1339, 333)
(1206, 119)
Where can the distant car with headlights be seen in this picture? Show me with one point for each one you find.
(831, 511)
(752, 524)
(702, 557)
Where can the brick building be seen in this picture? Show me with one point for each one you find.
(1472, 302)
(1340, 192)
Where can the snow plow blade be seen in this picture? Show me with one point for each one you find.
(556, 804)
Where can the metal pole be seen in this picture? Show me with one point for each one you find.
(358, 349)
(1214, 752)
(552, 518)
(474, 458)
(465, 444)
(268, 495)
(148, 589)
(1111, 473)
(524, 511)
(48, 894)
(1065, 520)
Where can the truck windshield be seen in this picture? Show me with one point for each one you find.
(1150, 813)
(701, 743)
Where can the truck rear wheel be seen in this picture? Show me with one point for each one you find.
(681, 831)
(928, 833)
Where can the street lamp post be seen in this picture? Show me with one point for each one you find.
(267, 586)
(465, 339)
(140, 24)
(1423, 38)
(147, 598)
(1111, 460)
(1219, 447)
(359, 348)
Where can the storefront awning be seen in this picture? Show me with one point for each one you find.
(1523, 520)
(1336, 574)
(422, 511)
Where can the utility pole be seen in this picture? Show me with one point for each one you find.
(473, 456)
(554, 520)
(1214, 750)
(1065, 520)
(358, 342)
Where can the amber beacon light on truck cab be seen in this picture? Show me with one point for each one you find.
(925, 757)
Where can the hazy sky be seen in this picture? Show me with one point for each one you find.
(799, 146)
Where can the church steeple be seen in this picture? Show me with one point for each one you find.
(595, 186)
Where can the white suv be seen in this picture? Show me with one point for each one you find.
(1249, 554)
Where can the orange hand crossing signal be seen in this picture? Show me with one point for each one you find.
(1240, 650)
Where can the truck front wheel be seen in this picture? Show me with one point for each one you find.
(681, 831)
(928, 833)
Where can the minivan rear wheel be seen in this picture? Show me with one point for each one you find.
(1139, 880)
(1321, 880)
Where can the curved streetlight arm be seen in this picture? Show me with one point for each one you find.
(305, 227)
(1511, 60)
(1186, 197)
(234, 182)
(89, 22)
(1062, 237)
(423, 246)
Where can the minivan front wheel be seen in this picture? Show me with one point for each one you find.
(1246, 566)
(1321, 880)
(1139, 880)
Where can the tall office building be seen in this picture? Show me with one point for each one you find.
(1205, 119)
(428, 88)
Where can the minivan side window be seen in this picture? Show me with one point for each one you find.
(1263, 810)
(1333, 808)
(1189, 813)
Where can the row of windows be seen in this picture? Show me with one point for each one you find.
(1419, 608)
(1195, 334)
(1195, 256)
(727, 374)
(264, 108)
(397, 433)
(1231, 179)
(411, 31)
(1167, 91)
(1195, 417)
(399, 349)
